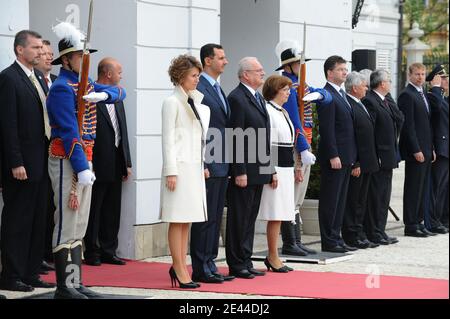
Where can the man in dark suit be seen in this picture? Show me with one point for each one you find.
(112, 165)
(45, 66)
(388, 121)
(367, 163)
(205, 236)
(439, 117)
(249, 170)
(337, 155)
(24, 136)
(416, 148)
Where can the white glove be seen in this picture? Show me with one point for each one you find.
(313, 97)
(308, 158)
(95, 97)
(86, 177)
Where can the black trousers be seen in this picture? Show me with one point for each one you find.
(23, 228)
(243, 208)
(332, 200)
(439, 198)
(101, 237)
(416, 175)
(205, 236)
(378, 201)
(356, 208)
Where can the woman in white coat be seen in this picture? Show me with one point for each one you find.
(277, 200)
(183, 197)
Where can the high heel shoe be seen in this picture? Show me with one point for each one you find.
(174, 279)
(270, 267)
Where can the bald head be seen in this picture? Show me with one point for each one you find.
(109, 71)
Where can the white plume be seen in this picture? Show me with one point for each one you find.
(70, 33)
(287, 44)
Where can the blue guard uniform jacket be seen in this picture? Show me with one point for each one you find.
(291, 106)
(62, 112)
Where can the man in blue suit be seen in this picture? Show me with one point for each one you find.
(337, 155)
(205, 236)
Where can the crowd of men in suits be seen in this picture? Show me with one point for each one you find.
(358, 150)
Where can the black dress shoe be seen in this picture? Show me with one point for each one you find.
(380, 241)
(427, 232)
(293, 250)
(45, 266)
(349, 248)
(392, 240)
(245, 274)
(415, 233)
(38, 283)
(114, 260)
(308, 250)
(224, 277)
(439, 230)
(255, 272)
(209, 279)
(359, 244)
(15, 285)
(336, 249)
(372, 245)
(95, 261)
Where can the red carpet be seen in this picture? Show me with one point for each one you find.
(294, 284)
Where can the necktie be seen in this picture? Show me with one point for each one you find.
(219, 92)
(260, 101)
(46, 81)
(344, 96)
(364, 107)
(43, 99)
(115, 123)
(425, 100)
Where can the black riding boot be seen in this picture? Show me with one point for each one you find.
(76, 257)
(298, 236)
(66, 276)
(288, 237)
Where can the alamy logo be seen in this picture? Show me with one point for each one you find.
(373, 279)
(73, 279)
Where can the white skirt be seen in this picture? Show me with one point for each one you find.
(279, 204)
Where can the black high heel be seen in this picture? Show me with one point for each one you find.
(174, 279)
(283, 269)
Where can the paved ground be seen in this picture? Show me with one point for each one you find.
(412, 257)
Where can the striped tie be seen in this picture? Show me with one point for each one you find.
(43, 99)
(112, 114)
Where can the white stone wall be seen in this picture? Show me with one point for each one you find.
(329, 31)
(13, 18)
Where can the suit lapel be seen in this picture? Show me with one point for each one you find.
(214, 94)
(420, 99)
(102, 108)
(253, 100)
(27, 81)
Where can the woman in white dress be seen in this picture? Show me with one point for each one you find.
(277, 201)
(183, 196)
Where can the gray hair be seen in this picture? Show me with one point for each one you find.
(353, 79)
(378, 76)
(245, 64)
(366, 73)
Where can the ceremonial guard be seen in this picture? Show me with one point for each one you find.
(73, 122)
(301, 115)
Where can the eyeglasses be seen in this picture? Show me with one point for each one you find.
(257, 71)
